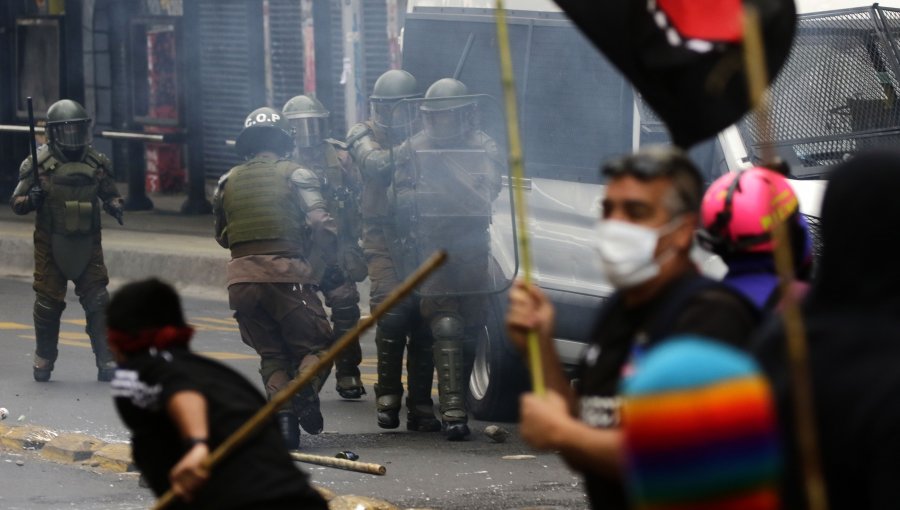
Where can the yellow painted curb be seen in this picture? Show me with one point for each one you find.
(114, 457)
(26, 437)
(359, 503)
(71, 448)
(327, 494)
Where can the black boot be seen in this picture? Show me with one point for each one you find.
(347, 377)
(46, 331)
(306, 401)
(387, 409)
(290, 429)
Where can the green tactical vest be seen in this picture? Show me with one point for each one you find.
(71, 207)
(260, 205)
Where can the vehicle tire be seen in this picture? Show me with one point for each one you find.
(498, 374)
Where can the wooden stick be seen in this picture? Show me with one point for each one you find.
(517, 182)
(349, 465)
(266, 412)
(794, 328)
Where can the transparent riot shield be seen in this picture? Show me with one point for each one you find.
(447, 193)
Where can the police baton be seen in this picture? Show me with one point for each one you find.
(262, 417)
(33, 142)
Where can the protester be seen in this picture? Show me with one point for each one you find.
(739, 214)
(180, 406)
(853, 327)
(644, 240)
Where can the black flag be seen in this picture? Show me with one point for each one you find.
(685, 57)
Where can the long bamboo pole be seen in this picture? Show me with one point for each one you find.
(266, 412)
(518, 182)
(795, 330)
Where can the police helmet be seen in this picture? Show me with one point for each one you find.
(265, 129)
(68, 125)
(391, 87)
(448, 110)
(308, 120)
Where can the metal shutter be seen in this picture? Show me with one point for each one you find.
(285, 23)
(227, 88)
(338, 122)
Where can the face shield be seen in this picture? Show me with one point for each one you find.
(447, 124)
(391, 119)
(309, 131)
(72, 135)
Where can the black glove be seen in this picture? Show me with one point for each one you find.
(115, 211)
(36, 196)
(332, 278)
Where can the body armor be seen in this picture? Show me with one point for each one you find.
(260, 204)
(71, 214)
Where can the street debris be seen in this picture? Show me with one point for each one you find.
(4, 413)
(496, 433)
(517, 457)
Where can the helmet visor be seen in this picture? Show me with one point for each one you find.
(385, 116)
(71, 135)
(309, 131)
(446, 124)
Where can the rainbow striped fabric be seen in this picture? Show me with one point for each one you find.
(700, 430)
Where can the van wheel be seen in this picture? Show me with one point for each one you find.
(498, 374)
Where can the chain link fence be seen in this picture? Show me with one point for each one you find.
(838, 92)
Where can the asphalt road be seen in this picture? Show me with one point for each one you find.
(423, 470)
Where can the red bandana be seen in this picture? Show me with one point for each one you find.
(160, 338)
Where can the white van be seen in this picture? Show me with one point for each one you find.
(835, 95)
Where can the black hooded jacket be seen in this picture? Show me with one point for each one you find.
(852, 318)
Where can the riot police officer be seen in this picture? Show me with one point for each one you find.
(269, 211)
(370, 145)
(442, 198)
(341, 186)
(75, 180)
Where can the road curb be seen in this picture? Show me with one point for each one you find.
(26, 437)
(71, 448)
(112, 457)
(83, 450)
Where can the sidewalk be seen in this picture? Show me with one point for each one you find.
(162, 242)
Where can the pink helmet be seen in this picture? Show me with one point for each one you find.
(740, 210)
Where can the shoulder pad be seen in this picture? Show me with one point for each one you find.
(305, 178)
(337, 144)
(25, 169)
(221, 182)
(358, 131)
(99, 159)
(43, 156)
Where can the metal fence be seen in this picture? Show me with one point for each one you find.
(838, 92)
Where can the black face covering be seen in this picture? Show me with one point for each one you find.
(859, 267)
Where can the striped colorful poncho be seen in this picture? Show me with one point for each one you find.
(700, 430)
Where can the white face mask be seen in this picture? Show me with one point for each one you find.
(628, 251)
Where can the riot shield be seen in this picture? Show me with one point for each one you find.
(449, 175)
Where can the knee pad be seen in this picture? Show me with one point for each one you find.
(95, 301)
(345, 314)
(395, 323)
(448, 327)
(48, 309)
